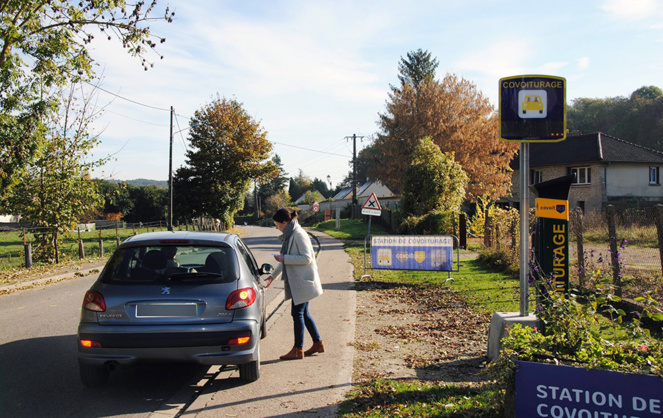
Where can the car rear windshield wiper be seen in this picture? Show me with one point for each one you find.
(193, 275)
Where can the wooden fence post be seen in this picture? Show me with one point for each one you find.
(28, 251)
(81, 250)
(614, 254)
(462, 231)
(658, 216)
(117, 235)
(101, 243)
(577, 222)
(514, 233)
(487, 231)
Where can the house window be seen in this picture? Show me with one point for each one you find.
(583, 175)
(654, 176)
(535, 177)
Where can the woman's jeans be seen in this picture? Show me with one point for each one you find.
(302, 318)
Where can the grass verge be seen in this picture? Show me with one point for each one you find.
(475, 287)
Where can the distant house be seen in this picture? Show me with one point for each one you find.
(344, 197)
(608, 171)
(300, 199)
(364, 191)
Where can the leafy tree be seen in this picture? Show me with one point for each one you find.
(432, 181)
(116, 198)
(56, 191)
(637, 119)
(418, 68)
(273, 185)
(277, 201)
(299, 185)
(458, 118)
(322, 187)
(44, 46)
(647, 93)
(229, 149)
(149, 204)
(311, 196)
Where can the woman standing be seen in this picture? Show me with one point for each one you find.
(298, 267)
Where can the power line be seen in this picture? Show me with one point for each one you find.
(308, 149)
(128, 100)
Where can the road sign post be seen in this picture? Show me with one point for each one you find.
(372, 208)
(532, 108)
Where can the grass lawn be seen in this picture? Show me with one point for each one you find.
(12, 251)
(483, 290)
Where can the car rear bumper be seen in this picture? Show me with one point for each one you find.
(203, 344)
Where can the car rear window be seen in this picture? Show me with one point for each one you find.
(172, 264)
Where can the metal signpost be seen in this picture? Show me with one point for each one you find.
(372, 208)
(532, 108)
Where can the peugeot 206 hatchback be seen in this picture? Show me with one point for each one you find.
(174, 297)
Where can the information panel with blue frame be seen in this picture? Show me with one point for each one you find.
(410, 252)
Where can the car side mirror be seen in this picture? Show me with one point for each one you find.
(266, 269)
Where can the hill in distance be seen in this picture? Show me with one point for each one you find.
(162, 184)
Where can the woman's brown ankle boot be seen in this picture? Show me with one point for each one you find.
(318, 347)
(294, 354)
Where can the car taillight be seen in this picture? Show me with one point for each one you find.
(239, 340)
(94, 301)
(90, 344)
(241, 298)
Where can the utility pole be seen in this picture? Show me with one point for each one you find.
(170, 174)
(354, 171)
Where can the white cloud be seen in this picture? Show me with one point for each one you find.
(583, 63)
(631, 9)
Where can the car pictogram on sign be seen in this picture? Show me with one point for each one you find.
(533, 102)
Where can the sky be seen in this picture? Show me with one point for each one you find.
(315, 73)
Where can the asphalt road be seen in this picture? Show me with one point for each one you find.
(38, 364)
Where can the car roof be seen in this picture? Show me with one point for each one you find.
(180, 237)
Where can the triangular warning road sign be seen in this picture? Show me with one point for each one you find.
(372, 203)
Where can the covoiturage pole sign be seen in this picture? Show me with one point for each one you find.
(533, 108)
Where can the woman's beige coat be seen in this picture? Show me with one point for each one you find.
(302, 269)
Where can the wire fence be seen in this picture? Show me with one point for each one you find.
(626, 243)
(90, 240)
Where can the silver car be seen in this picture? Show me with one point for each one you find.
(174, 296)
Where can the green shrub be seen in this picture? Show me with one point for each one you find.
(583, 330)
(432, 223)
(500, 259)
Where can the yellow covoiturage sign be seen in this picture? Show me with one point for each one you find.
(552, 209)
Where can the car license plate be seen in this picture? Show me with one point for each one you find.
(169, 310)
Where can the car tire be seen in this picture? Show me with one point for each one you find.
(93, 376)
(250, 372)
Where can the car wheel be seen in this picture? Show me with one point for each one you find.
(93, 376)
(250, 372)
(524, 112)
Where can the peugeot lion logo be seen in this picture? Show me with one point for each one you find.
(165, 290)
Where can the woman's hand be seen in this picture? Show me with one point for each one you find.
(269, 281)
(278, 257)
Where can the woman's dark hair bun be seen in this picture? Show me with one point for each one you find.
(284, 215)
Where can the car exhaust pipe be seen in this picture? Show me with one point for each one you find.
(111, 365)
